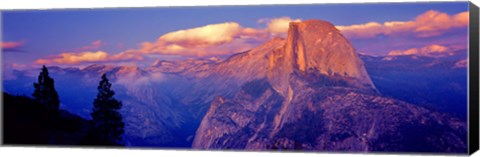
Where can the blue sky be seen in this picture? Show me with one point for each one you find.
(45, 33)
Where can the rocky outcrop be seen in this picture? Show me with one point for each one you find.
(313, 93)
(311, 46)
(315, 45)
(325, 119)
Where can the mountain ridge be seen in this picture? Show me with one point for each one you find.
(286, 79)
(302, 105)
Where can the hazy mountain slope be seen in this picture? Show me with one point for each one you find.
(435, 83)
(152, 116)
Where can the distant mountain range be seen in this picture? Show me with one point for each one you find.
(310, 91)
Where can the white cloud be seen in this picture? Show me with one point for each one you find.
(434, 50)
(278, 25)
(429, 24)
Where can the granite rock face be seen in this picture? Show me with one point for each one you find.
(325, 119)
(312, 92)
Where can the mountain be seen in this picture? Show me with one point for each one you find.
(308, 91)
(278, 58)
(275, 60)
(151, 114)
(439, 84)
(181, 66)
(326, 119)
(314, 93)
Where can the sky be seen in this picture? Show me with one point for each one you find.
(79, 37)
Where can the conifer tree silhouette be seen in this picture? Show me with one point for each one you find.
(107, 121)
(45, 93)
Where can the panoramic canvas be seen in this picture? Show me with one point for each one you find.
(374, 78)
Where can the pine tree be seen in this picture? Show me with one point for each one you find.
(45, 93)
(107, 121)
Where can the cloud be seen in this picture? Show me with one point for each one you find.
(10, 70)
(75, 58)
(429, 24)
(430, 51)
(95, 45)
(213, 34)
(134, 80)
(278, 25)
(205, 41)
(12, 46)
(85, 57)
(200, 41)
(214, 39)
(461, 64)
